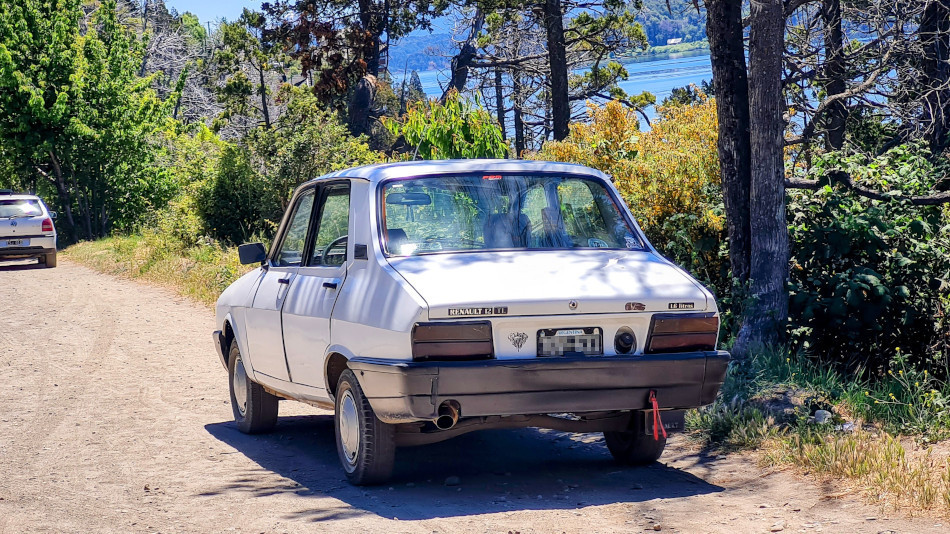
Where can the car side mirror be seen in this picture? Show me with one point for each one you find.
(252, 253)
(52, 215)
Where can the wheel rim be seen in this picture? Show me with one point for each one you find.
(239, 384)
(349, 427)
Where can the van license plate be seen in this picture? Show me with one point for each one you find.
(570, 342)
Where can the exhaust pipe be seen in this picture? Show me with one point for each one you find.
(448, 415)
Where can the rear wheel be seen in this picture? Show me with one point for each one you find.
(634, 446)
(49, 260)
(364, 444)
(255, 410)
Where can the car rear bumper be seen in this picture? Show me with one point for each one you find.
(401, 391)
(10, 253)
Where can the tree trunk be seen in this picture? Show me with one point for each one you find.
(934, 34)
(724, 30)
(368, 21)
(557, 60)
(766, 318)
(834, 72)
(263, 92)
(144, 29)
(500, 104)
(462, 60)
(516, 112)
(65, 200)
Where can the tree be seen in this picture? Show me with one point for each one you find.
(73, 110)
(456, 129)
(528, 53)
(341, 44)
(249, 68)
(765, 320)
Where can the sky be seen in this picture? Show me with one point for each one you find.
(211, 10)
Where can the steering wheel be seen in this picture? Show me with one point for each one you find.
(326, 250)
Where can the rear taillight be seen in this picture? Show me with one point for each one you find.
(683, 332)
(47, 225)
(471, 340)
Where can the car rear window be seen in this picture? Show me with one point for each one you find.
(501, 212)
(22, 207)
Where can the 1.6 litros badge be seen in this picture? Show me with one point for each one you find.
(682, 305)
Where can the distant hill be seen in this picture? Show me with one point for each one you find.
(421, 52)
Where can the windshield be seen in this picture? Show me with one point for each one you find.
(501, 212)
(12, 209)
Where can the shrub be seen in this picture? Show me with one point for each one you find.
(238, 202)
(869, 277)
(456, 129)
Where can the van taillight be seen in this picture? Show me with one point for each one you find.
(47, 225)
(685, 332)
(470, 340)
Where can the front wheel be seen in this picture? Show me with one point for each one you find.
(365, 444)
(255, 410)
(634, 447)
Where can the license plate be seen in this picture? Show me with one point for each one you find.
(673, 421)
(571, 342)
(15, 243)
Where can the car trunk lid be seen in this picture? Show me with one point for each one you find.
(556, 282)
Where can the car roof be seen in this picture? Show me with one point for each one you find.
(414, 169)
(17, 196)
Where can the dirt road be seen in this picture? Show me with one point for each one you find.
(115, 418)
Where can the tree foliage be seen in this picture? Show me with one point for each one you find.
(456, 129)
(73, 110)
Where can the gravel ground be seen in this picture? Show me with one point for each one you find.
(116, 419)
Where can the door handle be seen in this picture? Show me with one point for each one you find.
(283, 281)
(330, 285)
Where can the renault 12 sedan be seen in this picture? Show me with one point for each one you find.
(423, 300)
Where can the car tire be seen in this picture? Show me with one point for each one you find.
(255, 410)
(634, 447)
(49, 260)
(365, 445)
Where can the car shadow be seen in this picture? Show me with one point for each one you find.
(20, 265)
(482, 472)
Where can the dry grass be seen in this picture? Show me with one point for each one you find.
(200, 272)
(897, 474)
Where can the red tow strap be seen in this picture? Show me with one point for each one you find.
(657, 421)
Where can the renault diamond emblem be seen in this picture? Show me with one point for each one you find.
(572, 304)
(517, 339)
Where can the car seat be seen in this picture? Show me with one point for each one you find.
(395, 239)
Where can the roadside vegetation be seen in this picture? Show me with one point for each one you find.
(163, 146)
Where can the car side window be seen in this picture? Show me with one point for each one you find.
(330, 246)
(291, 248)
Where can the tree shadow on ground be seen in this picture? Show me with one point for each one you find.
(498, 471)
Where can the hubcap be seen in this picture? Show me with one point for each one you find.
(239, 384)
(349, 427)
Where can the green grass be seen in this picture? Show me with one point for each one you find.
(200, 271)
(767, 401)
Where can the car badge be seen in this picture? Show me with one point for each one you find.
(572, 304)
(517, 339)
(634, 306)
(12, 223)
(682, 306)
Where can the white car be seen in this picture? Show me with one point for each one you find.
(423, 300)
(26, 228)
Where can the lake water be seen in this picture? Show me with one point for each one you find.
(658, 75)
